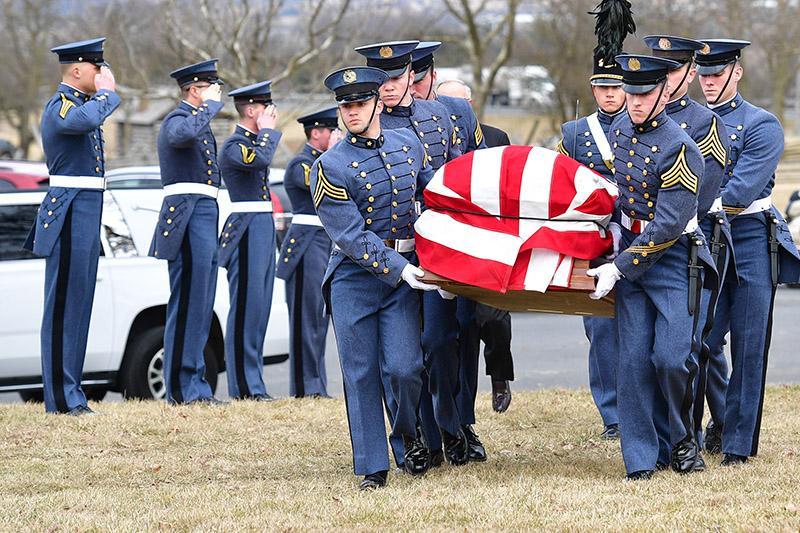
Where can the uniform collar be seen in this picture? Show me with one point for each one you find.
(310, 150)
(401, 110)
(652, 124)
(678, 104)
(364, 142)
(247, 132)
(726, 107)
(187, 106)
(608, 118)
(69, 90)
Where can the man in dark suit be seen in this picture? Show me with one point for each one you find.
(492, 326)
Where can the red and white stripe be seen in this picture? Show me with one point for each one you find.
(512, 218)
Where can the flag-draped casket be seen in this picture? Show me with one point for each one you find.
(514, 218)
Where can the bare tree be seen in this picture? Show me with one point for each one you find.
(481, 35)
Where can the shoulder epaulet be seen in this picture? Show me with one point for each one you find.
(712, 144)
(680, 174)
(326, 188)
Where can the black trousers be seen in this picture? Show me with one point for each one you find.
(494, 326)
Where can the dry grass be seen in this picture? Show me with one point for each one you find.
(286, 466)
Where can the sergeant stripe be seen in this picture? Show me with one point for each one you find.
(712, 144)
(560, 148)
(326, 188)
(248, 154)
(651, 249)
(66, 105)
(478, 134)
(680, 174)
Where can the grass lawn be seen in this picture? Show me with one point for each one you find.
(287, 466)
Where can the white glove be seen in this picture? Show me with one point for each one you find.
(411, 275)
(445, 294)
(607, 276)
(616, 236)
(212, 92)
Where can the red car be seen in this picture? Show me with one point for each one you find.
(17, 180)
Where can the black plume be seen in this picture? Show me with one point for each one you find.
(614, 23)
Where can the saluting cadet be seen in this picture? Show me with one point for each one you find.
(186, 231)
(658, 168)
(304, 256)
(469, 137)
(707, 130)
(430, 122)
(67, 227)
(764, 252)
(247, 241)
(364, 192)
(586, 141)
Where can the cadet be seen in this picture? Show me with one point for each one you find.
(247, 241)
(707, 130)
(67, 227)
(430, 122)
(764, 252)
(586, 141)
(364, 193)
(658, 168)
(186, 231)
(303, 259)
(469, 137)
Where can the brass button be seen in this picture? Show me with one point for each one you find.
(363, 174)
(375, 264)
(46, 225)
(371, 199)
(649, 204)
(631, 188)
(169, 221)
(292, 241)
(635, 261)
(394, 203)
(263, 196)
(205, 141)
(288, 250)
(394, 216)
(385, 270)
(166, 233)
(631, 200)
(630, 165)
(654, 149)
(634, 140)
(210, 182)
(631, 152)
(355, 164)
(285, 259)
(368, 186)
(394, 191)
(588, 154)
(366, 256)
(210, 172)
(171, 209)
(97, 169)
(369, 221)
(651, 216)
(50, 213)
(210, 162)
(644, 185)
(369, 209)
(591, 165)
(394, 230)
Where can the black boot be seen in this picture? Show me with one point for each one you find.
(712, 440)
(477, 452)
(686, 457)
(641, 475)
(611, 432)
(437, 458)
(374, 481)
(731, 459)
(417, 458)
(456, 447)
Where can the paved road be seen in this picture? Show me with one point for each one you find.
(550, 351)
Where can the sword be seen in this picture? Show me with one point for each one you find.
(694, 275)
(773, 249)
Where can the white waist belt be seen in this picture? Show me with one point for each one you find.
(251, 207)
(637, 226)
(191, 188)
(762, 204)
(306, 220)
(78, 182)
(716, 207)
(404, 245)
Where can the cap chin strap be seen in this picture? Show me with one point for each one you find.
(369, 123)
(616, 111)
(655, 105)
(685, 75)
(430, 88)
(727, 82)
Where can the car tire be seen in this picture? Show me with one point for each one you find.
(32, 396)
(142, 373)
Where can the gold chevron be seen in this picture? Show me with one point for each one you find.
(561, 148)
(680, 174)
(651, 249)
(454, 140)
(66, 105)
(730, 210)
(326, 188)
(307, 172)
(712, 144)
(478, 133)
(248, 154)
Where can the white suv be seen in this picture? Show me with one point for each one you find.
(125, 350)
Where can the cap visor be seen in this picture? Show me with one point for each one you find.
(395, 72)
(606, 82)
(710, 70)
(419, 76)
(350, 98)
(638, 89)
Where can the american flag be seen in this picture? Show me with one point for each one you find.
(513, 218)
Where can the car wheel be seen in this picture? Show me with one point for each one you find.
(95, 394)
(142, 374)
(32, 396)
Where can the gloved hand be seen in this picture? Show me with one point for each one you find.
(445, 294)
(212, 92)
(411, 275)
(607, 276)
(616, 236)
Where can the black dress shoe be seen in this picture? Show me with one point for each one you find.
(661, 466)
(374, 481)
(731, 459)
(263, 398)
(611, 432)
(712, 440)
(641, 475)
(81, 410)
(686, 457)
(477, 452)
(501, 395)
(417, 457)
(318, 396)
(456, 448)
(437, 458)
(210, 401)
